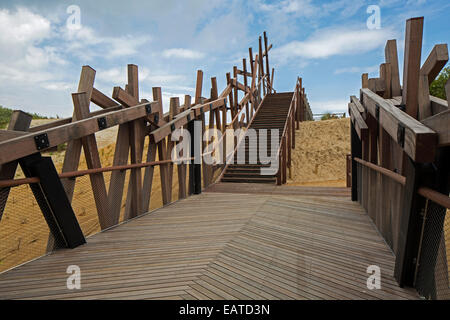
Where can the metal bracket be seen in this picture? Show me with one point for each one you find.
(201, 110)
(172, 127)
(102, 123)
(188, 117)
(402, 107)
(148, 108)
(41, 141)
(401, 134)
(210, 107)
(156, 120)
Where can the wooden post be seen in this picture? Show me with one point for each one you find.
(162, 152)
(236, 99)
(356, 153)
(73, 150)
(137, 128)
(261, 67)
(81, 106)
(390, 52)
(411, 67)
(284, 165)
(365, 80)
(269, 80)
(230, 96)
(244, 68)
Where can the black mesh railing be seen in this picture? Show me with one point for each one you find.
(432, 272)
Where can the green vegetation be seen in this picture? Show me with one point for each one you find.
(5, 116)
(437, 87)
(329, 116)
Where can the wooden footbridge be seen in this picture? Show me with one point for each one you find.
(226, 235)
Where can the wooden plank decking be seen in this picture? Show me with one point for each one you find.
(231, 242)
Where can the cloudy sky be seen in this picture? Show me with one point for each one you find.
(327, 43)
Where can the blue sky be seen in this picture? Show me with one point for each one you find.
(327, 43)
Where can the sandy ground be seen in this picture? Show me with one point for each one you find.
(319, 157)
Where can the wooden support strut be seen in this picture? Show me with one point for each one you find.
(20, 121)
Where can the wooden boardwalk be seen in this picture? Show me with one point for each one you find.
(234, 241)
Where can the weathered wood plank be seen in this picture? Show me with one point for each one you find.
(89, 143)
(411, 65)
(360, 125)
(390, 52)
(418, 141)
(73, 150)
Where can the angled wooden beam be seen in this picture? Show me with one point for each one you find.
(137, 136)
(25, 145)
(417, 140)
(411, 67)
(102, 100)
(429, 71)
(436, 60)
(148, 177)
(390, 52)
(440, 122)
(73, 150)
(81, 106)
(162, 152)
(268, 49)
(240, 86)
(173, 110)
(18, 124)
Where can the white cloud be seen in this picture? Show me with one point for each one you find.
(329, 42)
(329, 106)
(182, 53)
(356, 70)
(22, 27)
(87, 44)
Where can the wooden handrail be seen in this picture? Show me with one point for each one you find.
(79, 173)
(435, 196)
(391, 174)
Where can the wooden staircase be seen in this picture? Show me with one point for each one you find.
(271, 115)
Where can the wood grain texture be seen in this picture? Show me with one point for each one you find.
(281, 243)
(411, 65)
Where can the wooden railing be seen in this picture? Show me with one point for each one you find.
(141, 123)
(401, 157)
(299, 111)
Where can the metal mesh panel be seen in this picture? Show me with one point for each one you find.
(24, 232)
(432, 275)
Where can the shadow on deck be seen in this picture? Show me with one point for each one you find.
(234, 241)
